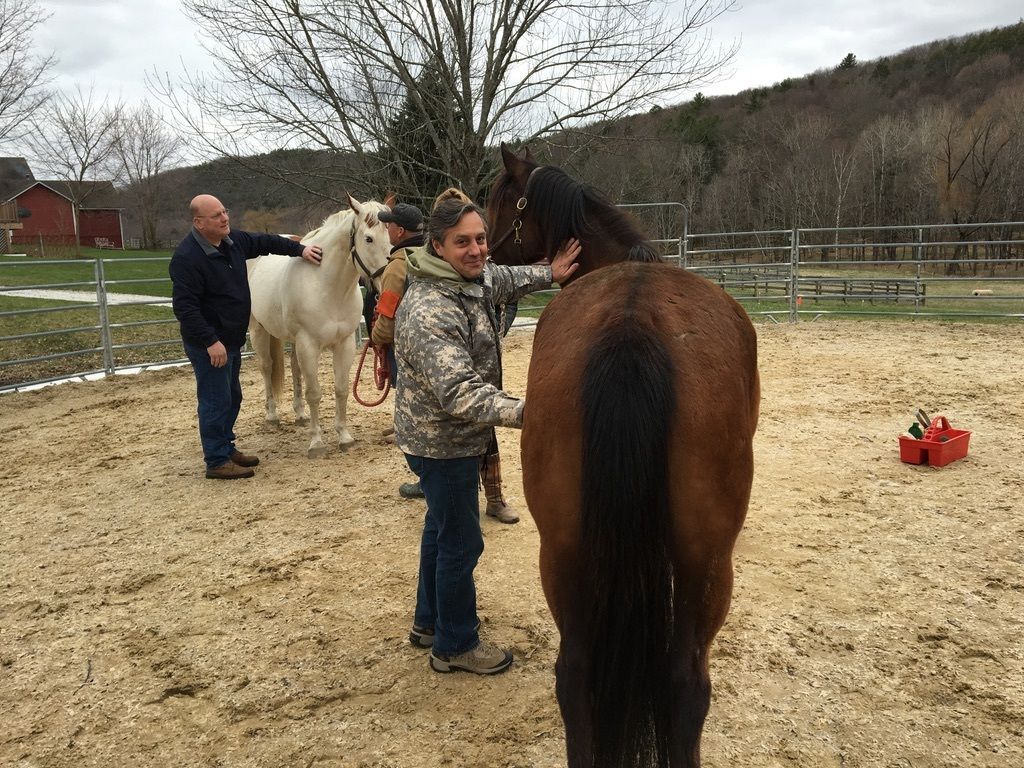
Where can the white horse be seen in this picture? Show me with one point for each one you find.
(316, 307)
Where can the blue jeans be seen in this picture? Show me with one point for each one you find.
(449, 550)
(219, 393)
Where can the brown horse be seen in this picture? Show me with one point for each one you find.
(641, 405)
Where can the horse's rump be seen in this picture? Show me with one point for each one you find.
(639, 411)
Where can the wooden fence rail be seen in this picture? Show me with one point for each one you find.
(843, 289)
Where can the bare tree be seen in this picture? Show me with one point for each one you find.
(844, 165)
(72, 139)
(335, 75)
(966, 151)
(967, 163)
(23, 74)
(145, 148)
(886, 144)
(795, 166)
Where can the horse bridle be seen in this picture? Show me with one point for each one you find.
(357, 260)
(517, 222)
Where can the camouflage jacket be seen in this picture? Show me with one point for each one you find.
(448, 345)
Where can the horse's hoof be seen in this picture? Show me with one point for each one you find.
(317, 453)
(274, 423)
(302, 420)
(345, 446)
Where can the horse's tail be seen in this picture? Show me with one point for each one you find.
(277, 367)
(628, 402)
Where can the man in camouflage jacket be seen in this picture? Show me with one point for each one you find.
(449, 398)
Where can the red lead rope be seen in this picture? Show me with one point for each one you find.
(381, 374)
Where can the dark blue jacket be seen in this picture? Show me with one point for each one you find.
(210, 291)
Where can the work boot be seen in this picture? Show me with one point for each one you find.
(244, 459)
(229, 471)
(485, 659)
(502, 512)
(490, 478)
(410, 490)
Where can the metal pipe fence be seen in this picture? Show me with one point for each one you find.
(45, 329)
(83, 323)
(946, 271)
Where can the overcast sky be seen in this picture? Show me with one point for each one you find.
(113, 43)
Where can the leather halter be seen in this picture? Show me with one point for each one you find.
(357, 260)
(517, 222)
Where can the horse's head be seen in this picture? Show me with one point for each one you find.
(511, 238)
(371, 245)
(533, 209)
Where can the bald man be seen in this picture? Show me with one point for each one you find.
(210, 295)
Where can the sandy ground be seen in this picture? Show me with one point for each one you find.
(149, 617)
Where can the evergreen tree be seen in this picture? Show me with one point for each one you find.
(694, 127)
(416, 137)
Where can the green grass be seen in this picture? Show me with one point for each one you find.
(69, 331)
(118, 265)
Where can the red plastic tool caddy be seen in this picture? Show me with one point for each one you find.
(939, 445)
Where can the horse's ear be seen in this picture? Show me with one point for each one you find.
(509, 158)
(527, 155)
(390, 199)
(354, 204)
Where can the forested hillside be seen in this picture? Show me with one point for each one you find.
(932, 134)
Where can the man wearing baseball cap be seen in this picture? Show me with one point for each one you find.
(405, 230)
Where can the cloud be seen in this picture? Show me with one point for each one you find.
(111, 44)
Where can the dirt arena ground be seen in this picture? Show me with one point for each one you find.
(149, 617)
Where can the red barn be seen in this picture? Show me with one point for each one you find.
(46, 212)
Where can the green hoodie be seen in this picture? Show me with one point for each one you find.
(422, 264)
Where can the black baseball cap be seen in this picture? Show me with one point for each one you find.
(404, 215)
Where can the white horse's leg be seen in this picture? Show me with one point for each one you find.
(344, 353)
(298, 404)
(261, 344)
(308, 353)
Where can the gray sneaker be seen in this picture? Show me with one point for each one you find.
(410, 491)
(421, 637)
(485, 659)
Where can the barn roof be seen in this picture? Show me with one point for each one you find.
(91, 194)
(15, 177)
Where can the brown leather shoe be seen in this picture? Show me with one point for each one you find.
(229, 471)
(245, 459)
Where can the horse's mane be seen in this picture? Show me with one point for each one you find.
(569, 208)
(340, 223)
(370, 209)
